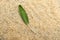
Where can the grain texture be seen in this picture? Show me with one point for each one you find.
(44, 17)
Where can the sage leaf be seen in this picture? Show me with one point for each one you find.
(23, 14)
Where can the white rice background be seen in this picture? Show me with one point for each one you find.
(44, 20)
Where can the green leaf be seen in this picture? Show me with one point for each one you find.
(23, 14)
